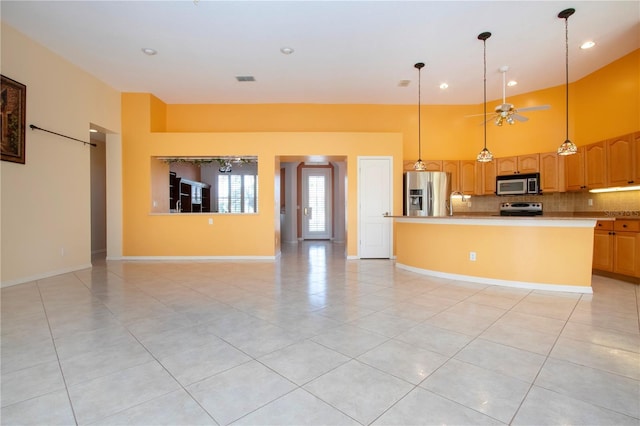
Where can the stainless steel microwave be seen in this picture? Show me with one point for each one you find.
(520, 184)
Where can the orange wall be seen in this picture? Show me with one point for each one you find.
(147, 234)
(602, 105)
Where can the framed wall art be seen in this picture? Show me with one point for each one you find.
(13, 100)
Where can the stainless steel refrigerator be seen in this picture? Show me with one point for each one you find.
(427, 193)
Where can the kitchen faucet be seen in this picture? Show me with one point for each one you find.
(451, 200)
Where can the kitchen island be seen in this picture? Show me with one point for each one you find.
(549, 253)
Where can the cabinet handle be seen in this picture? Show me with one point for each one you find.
(630, 181)
(624, 226)
(599, 224)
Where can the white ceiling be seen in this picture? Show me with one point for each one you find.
(345, 51)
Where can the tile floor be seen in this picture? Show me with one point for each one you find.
(313, 339)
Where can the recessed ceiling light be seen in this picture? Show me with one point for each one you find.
(287, 50)
(149, 51)
(588, 44)
(444, 86)
(512, 83)
(244, 78)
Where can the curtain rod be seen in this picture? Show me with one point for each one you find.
(34, 127)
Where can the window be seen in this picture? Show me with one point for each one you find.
(237, 193)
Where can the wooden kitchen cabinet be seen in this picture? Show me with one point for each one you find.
(574, 171)
(595, 165)
(433, 165)
(551, 172)
(486, 178)
(621, 161)
(616, 247)
(636, 156)
(452, 167)
(516, 165)
(603, 246)
(467, 169)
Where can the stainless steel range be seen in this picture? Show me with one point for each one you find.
(521, 209)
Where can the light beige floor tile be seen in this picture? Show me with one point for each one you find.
(601, 336)
(107, 395)
(235, 393)
(422, 407)
(404, 361)
(19, 355)
(304, 361)
(203, 361)
(93, 340)
(31, 382)
(51, 409)
(387, 325)
(103, 361)
(544, 407)
(435, 339)
(175, 408)
(624, 363)
(517, 363)
(350, 340)
(593, 386)
(297, 408)
(516, 336)
(360, 391)
(494, 394)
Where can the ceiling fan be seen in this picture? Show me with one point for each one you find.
(508, 112)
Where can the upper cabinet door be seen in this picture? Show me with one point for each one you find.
(452, 167)
(468, 176)
(529, 163)
(506, 166)
(595, 165)
(574, 170)
(620, 168)
(636, 155)
(550, 169)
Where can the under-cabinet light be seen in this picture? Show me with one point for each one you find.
(616, 189)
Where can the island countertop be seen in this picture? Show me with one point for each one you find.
(497, 220)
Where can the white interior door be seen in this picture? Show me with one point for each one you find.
(374, 201)
(316, 203)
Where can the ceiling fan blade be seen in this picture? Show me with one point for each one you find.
(520, 117)
(534, 108)
(473, 115)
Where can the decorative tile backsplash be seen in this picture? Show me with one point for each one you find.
(625, 203)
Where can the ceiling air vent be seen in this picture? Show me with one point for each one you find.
(243, 78)
(404, 83)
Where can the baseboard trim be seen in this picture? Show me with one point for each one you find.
(503, 283)
(197, 258)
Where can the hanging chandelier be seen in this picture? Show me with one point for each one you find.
(419, 165)
(485, 155)
(567, 147)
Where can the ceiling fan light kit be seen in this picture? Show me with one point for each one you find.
(567, 147)
(485, 155)
(419, 165)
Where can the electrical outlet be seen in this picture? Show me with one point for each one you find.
(472, 256)
(590, 202)
(61, 251)
(210, 221)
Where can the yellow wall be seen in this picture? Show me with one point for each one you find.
(501, 253)
(46, 205)
(146, 234)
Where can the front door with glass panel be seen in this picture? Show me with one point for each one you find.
(316, 203)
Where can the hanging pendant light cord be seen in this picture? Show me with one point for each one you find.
(419, 119)
(566, 43)
(485, 92)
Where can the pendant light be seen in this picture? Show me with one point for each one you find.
(419, 165)
(568, 147)
(485, 155)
